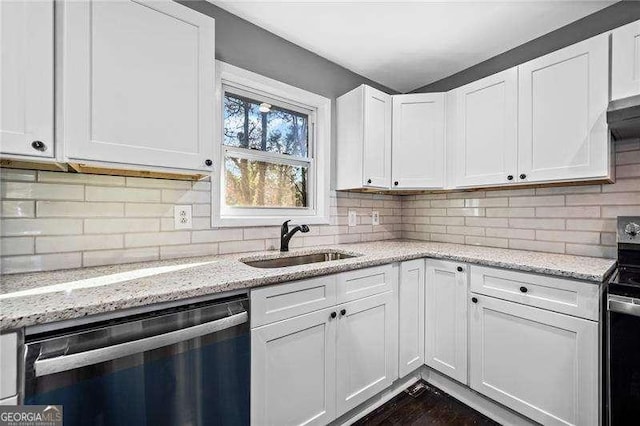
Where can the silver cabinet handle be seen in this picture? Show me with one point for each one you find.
(624, 307)
(44, 367)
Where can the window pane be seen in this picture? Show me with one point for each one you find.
(252, 183)
(277, 130)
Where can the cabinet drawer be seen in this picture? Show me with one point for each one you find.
(284, 301)
(576, 298)
(361, 283)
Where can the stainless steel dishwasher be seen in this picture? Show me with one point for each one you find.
(181, 366)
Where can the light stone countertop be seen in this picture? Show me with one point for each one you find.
(46, 297)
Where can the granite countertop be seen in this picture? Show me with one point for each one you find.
(43, 297)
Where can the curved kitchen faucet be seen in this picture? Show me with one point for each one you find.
(285, 234)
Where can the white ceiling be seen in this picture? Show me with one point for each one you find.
(408, 44)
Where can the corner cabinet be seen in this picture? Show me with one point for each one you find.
(363, 156)
(418, 141)
(137, 83)
(563, 99)
(27, 79)
(625, 61)
(446, 318)
(539, 363)
(485, 137)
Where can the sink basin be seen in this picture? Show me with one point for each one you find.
(282, 262)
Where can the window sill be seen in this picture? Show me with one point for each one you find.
(252, 221)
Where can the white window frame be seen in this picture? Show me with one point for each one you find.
(319, 109)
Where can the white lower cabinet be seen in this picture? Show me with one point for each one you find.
(366, 359)
(293, 371)
(410, 316)
(446, 318)
(310, 368)
(539, 363)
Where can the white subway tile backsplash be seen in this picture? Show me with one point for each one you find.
(582, 237)
(18, 175)
(120, 226)
(41, 191)
(147, 239)
(111, 257)
(78, 243)
(24, 227)
(40, 262)
(188, 250)
(136, 195)
(14, 208)
(78, 209)
(217, 235)
(148, 210)
(12, 246)
(241, 246)
(103, 220)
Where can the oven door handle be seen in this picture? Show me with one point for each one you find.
(61, 363)
(621, 307)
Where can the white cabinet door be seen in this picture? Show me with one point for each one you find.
(26, 78)
(541, 364)
(411, 316)
(446, 318)
(563, 100)
(377, 138)
(293, 371)
(418, 141)
(625, 61)
(486, 134)
(366, 353)
(138, 83)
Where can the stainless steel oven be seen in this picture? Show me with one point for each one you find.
(623, 328)
(181, 366)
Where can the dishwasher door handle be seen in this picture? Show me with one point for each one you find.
(623, 307)
(48, 366)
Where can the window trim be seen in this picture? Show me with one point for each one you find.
(319, 171)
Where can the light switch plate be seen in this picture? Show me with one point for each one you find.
(182, 217)
(353, 218)
(375, 217)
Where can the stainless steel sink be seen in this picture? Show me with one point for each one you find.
(282, 262)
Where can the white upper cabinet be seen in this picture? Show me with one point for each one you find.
(26, 78)
(563, 100)
(418, 141)
(446, 318)
(486, 131)
(364, 139)
(625, 66)
(138, 83)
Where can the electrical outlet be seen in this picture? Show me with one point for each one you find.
(375, 217)
(182, 217)
(353, 218)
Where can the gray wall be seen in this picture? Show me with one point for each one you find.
(248, 46)
(606, 19)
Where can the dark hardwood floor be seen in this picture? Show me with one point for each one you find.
(432, 407)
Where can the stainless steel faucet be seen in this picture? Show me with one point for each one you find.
(285, 234)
